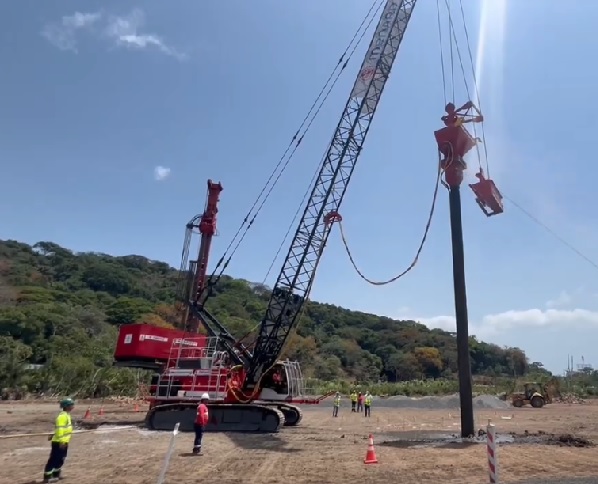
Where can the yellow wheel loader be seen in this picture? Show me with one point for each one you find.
(534, 394)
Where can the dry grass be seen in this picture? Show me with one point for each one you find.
(320, 450)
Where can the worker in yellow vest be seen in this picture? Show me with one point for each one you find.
(336, 403)
(63, 429)
(353, 401)
(367, 404)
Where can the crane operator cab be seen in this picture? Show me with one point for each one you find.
(276, 379)
(283, 381)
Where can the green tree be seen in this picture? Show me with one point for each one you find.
(13, 356)
(127, 310)
(60, 310)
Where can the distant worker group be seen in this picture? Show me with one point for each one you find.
(359, 403)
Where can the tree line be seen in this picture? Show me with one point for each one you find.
(60, 312)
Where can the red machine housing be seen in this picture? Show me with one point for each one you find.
(189, 365)
(453, 142)
(145, 346)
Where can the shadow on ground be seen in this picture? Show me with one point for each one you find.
(269, 442)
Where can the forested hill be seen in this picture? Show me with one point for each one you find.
(61, 309)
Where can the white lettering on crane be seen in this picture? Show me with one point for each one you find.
(390, 26)
(184, 342)
(152, 337)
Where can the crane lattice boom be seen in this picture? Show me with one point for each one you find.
(297, 274)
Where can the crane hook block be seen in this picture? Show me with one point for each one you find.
(331, 217)
(487, 195)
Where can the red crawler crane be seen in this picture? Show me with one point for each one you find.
(253, 390)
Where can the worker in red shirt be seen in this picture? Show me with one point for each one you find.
(360, 399)
(201, 420)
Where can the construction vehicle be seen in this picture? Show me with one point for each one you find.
(249, 388)
(535, 394)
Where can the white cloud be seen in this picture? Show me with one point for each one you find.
(563, 299)
(80, 20)
(122, 31)
(161, 173)
(493, 324)
(446, 323)
(125, 32)
(63, 35)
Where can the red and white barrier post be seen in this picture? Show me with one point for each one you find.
(491, 451)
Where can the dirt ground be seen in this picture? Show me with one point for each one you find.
(322, 449)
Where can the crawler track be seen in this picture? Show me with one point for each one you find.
(292, 414)
(223, 417)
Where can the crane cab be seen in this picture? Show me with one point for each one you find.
(487, 195)
(284, 381)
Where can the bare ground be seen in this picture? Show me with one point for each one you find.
(322, 449)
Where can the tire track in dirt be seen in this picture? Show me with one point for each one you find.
(266, 469)
(214, 467)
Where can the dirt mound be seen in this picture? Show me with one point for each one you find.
(568, 440)
(570, 399)
(562, 440)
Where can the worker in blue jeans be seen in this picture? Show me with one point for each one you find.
(201, 420)
(63, 429)
(336, 403)
(368, 405)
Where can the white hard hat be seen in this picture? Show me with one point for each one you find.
(205, 396)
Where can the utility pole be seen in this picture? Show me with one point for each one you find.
(463, 360)
(454, 141)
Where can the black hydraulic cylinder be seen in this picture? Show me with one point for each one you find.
(463, 359)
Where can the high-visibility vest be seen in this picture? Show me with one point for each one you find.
(353, 397)
(337, 401)
(368, 400)
(63, 428)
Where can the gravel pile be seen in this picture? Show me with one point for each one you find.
(440, 403)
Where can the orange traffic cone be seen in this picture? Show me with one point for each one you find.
(87, 415)
(370, 456)
(136, 409)
(101, 412)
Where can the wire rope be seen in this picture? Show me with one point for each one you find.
(294, 143)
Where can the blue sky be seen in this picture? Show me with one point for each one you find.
(94, 98)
